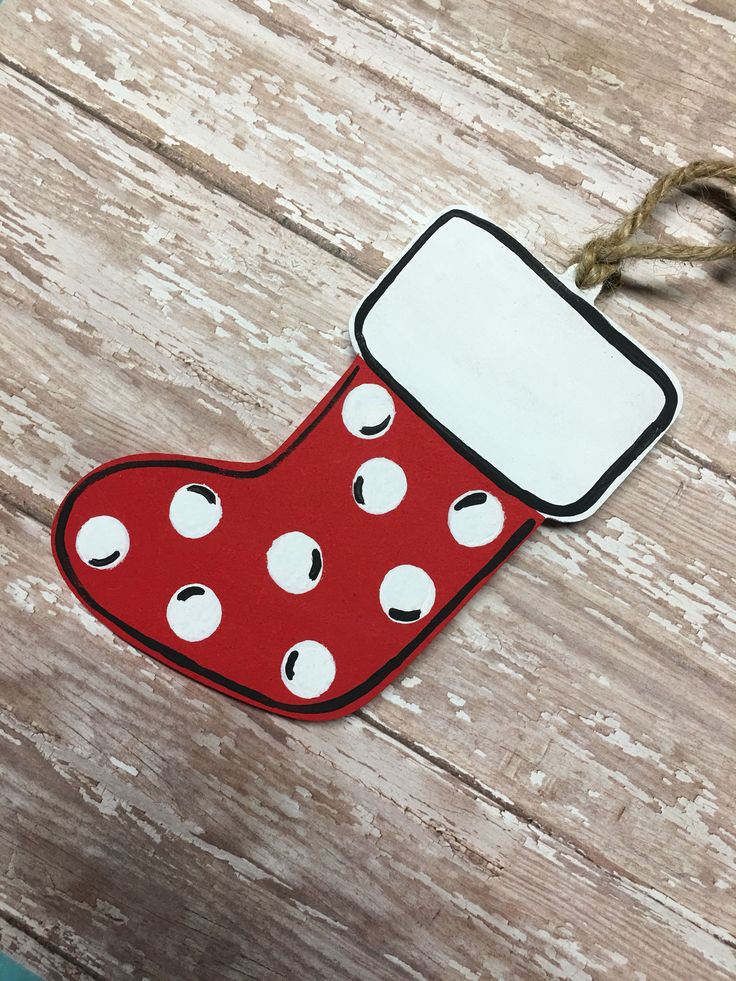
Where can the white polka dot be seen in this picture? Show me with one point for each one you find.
(368, 411)
(194, 612)
(294, 562)
(308, 669)
(195, 510)
(407, 594)
(103, 542)
(379, 486)
(475, 518)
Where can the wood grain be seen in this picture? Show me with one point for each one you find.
(203, 265)
(652, 83)
(324, 151)
(611, 730)
(232, 844)
(36, 956)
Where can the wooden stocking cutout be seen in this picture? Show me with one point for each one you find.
(486, 396)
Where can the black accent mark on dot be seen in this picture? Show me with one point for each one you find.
(155, 648)
(108, 560)
(358, 491)
(188, 592)
(290, 665)
(316, 564)
(206, 493)
(404, 616)
(375, 430)
(470, 501)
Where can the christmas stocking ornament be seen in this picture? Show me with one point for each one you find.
(486, 395)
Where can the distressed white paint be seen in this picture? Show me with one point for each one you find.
(279, 348)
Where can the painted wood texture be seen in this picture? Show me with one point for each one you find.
(316, 151)
(251, 848)
(36, 956)
(591, 72)
(191, 203)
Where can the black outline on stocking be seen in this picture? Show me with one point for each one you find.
(175, 657)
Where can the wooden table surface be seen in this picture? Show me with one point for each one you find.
(192, 198)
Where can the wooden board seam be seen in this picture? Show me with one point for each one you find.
(509, 807)
(201, 177)
(520, 96)
(46, 942)
(495, 83)
(485, 793)
(180, 163)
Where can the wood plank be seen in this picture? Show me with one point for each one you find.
(154, 828)
(610, 727)
(27, 951)
(651, 83)
(324, 151)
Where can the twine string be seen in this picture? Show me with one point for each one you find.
(600, 259)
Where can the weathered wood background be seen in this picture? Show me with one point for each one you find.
(192, 198)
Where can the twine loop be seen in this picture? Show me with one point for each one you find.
(599, 261)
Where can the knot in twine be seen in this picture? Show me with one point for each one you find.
(600, 260)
